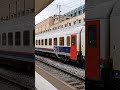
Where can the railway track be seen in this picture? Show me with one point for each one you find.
(16, 78)
(66, 73)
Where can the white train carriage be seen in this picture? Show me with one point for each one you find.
(102, 42)
(17, 41)
(68, 42)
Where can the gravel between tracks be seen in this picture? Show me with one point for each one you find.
(75, 82)
(71, 69)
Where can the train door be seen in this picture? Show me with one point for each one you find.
(73, 50)
(93, 50)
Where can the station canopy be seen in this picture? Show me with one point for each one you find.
(41, 4)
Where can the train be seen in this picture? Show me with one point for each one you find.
(17, 42)
(103, 44)
(67, 44)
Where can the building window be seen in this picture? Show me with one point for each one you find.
(11, 16)
(18, 14)
(55, 41)
(23, 13)
(74, 22)
(83, 10)
(42, 42)
(4, 39)
(10, 38)
(80, 12)
(17, 38)
(15, 15)
(26, 38)
(68, 40)
(61, 41)
(79, 21)
(75, 14)
(61, 26)
(69, 24)
(27, 12)
(39, 42)
(67, 18)
(50, 41)
(65, 25)
(32, 11)
(45, 41)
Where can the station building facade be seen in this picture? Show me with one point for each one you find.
(16, 8)
(61, 21)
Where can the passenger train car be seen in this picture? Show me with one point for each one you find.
(17, 41)
(102, 42)
(67, 43)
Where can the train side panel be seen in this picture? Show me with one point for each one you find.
(115, 39)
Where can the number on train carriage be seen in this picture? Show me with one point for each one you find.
(93, 50)
(73, 50)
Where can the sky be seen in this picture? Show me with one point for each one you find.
(52, 9)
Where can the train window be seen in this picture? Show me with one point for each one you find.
(61, 41)
(3, 38)
(42, 42)
(39, 42)
(55, 41)
(68, 40)
(73, 41)
(50, 41)
(10, 38)
(17, 38)
(92, 36)
(26, 38)
(45, 41)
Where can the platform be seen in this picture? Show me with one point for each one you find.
(46, 81)
(42, 84)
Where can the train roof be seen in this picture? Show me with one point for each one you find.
(100, 11)
(64, 31)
